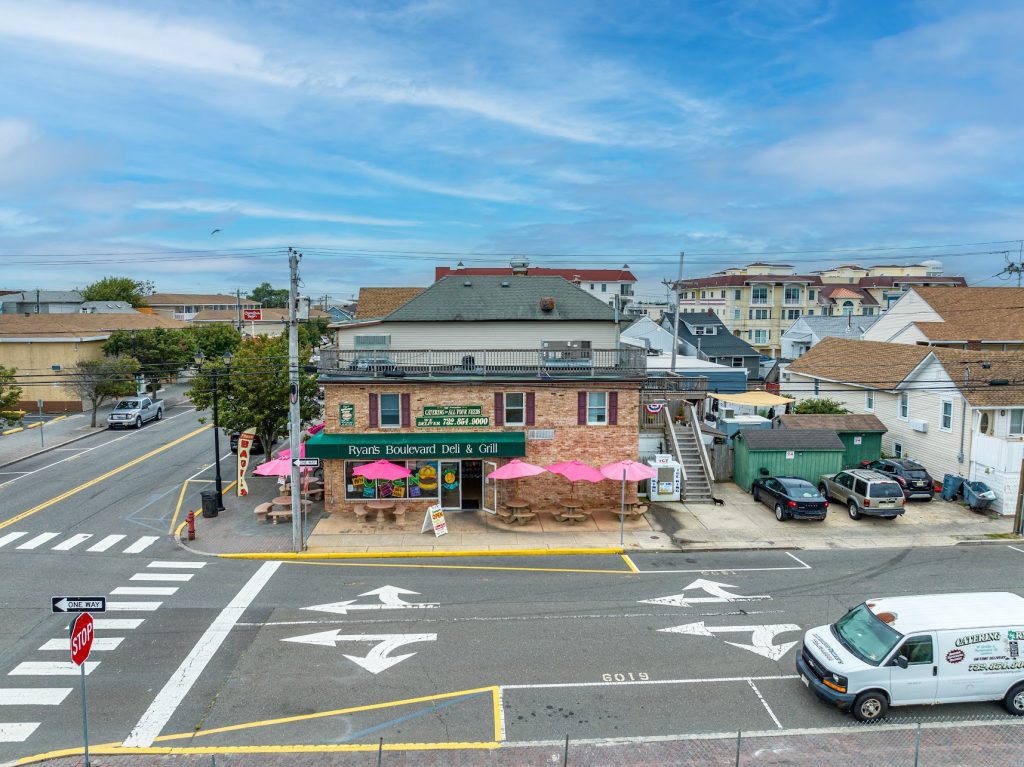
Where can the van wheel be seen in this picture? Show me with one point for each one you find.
(854, 510)
(870, 706)
(1014, 700)
(780, 513)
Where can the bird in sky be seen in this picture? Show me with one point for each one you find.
(215, 231)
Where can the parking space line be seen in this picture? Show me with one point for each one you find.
(764, 703)
(794, 556)
(1015, 548)
(637, 682)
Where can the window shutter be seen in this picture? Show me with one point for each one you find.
(531, 408)
(499, 408)
(373, 411)
(613, 407)
(581, 408)
(406, 408)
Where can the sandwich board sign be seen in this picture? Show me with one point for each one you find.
(434, 519)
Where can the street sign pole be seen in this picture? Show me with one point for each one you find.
(81, 632)
(39, 405)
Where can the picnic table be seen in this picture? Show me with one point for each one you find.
(572, 511)
(517, 511)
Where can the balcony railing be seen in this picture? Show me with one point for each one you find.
(545, 364)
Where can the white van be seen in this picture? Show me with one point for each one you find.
(901, 651)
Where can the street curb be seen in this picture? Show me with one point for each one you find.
(51, 447)
(424, 554)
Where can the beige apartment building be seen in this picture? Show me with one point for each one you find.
(760, 301)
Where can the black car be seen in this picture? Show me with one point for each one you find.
(912, 477)
(790, 497)
(257, 446)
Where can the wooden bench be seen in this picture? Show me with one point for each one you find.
(277, 516)
(262, 510)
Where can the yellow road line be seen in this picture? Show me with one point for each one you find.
(181, 496)
(460, 567)
(629, 563)
(97, 480)
(284, 555)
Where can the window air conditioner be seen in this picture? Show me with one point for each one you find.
(918, 424)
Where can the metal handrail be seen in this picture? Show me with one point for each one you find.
(670, 429)
(701, 449)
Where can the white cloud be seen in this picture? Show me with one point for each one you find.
(18, 223)
(493, 191)
(14, 136)
(261, 211)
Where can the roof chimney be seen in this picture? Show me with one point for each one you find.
(520, 266)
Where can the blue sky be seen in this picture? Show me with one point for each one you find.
(383, 137)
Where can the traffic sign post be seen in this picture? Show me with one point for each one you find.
(78, 604)
(81, 630)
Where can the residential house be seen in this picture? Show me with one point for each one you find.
(966, 318)
(41, 346)
(609, 285)
(185, 306)
(806, 332)
(956, 411)
(474, 371)
(272, 322)
(374, 303)
(759, 301)
(107, 307)
(657, 342)
(704, 335)
(41, 302)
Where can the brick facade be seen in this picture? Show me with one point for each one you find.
(555, 407)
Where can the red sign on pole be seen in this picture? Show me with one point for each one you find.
(81, 638)
(252, 314)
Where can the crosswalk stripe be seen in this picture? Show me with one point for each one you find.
(38, 541)
(179, 565)
(51, 668)
(139, 591)
(142, 544)
(99, 644)
(130, 607)
(162, 577)
(11, 537)
(73, 541)
(116, 624)
(32, 696)
(106, 543)
(16, 732)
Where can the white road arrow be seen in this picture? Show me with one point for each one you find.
(760, 639)
(389, 596)
(377, 659)
(716, 590)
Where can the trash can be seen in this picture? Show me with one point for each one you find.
(209, 503)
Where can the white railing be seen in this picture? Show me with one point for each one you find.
(701, 447)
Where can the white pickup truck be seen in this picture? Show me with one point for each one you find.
(135, 411)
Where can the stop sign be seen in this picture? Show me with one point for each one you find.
(81, 638)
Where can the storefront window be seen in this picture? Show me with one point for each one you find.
(515, 409)
(421, 484)
(390, 410)
(597, 407)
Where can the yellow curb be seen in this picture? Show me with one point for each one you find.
(35, 425)
(414, 554)
(12, 431)
(58, 418)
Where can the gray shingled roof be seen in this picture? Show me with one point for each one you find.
(791, 439)
(842, 327)
(484, 298)
(832, 422)
(722, 344)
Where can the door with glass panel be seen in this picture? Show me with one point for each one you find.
(451, 485)
(490, 499)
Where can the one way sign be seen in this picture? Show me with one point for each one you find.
(78, 604)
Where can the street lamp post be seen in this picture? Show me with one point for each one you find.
(218, 484)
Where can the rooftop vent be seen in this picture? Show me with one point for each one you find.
(467, 284)
(520, 266)
(547, 304)
(504, 284)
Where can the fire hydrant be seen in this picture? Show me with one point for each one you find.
(190, 518)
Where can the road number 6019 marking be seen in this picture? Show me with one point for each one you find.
(630, 676)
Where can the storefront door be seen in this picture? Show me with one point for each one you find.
(490, 500)
(451, 485)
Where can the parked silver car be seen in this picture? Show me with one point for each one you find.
(864, 493)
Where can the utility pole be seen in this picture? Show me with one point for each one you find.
(294, 430)
(238, 310)
(1018, 517)
(675, 311)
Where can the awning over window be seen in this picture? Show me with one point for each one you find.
(753, 398)
(404, 445)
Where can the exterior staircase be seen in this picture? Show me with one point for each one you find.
(684, 442)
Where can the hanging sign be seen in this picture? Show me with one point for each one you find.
(858, 440)
(346, 414)
(434, 519)
(245, 440)
(438, 411)
(790, 455)
(252, 315)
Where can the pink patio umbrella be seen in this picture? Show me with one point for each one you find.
(516, 469)
(286, 453)
(627, 471)
(576, 471)
(381, 470)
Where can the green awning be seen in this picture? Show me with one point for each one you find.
(404, 445)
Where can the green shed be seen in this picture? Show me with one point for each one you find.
(804, 453)
(861, 433)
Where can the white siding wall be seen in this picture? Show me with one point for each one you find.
(484, 335)
(910, 308)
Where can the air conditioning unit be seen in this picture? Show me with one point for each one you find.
(918, 424)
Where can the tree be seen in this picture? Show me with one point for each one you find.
(10, 392)
(312, 330)
(269, 296)
(97, 381)
(119, 289)
(214, 339)
(162, 352)
(253, 392)
(822, 406)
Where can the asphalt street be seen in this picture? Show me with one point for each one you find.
(204, 652)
